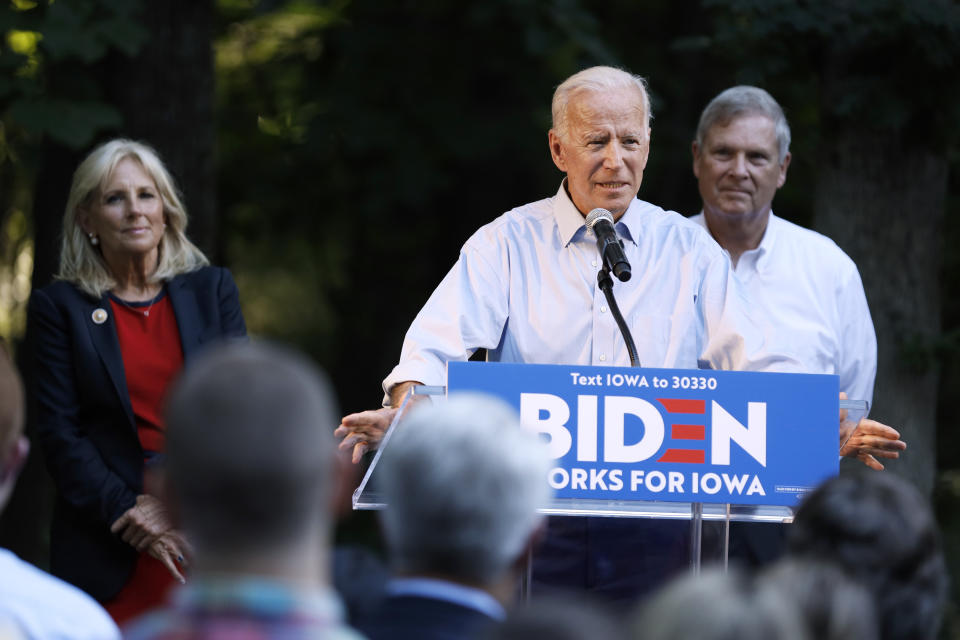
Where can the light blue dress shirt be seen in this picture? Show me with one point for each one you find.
(34, 604)
(525, 288)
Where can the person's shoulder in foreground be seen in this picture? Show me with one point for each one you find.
(250, 609)
(42, 606)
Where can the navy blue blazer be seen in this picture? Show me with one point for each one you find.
(409, 617)
(85, 422)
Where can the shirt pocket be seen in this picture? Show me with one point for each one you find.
(664, 341)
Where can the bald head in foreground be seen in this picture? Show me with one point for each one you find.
(250, 474)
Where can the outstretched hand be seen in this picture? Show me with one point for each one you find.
(868, 440)
(364, 430)
(173, 550)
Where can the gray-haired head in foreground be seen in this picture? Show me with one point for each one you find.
(744, 100)
(832, 605)
(716, 606)
(597, 79)
(462, 481)
(250, 450)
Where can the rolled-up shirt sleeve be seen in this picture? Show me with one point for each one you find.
(466, 312)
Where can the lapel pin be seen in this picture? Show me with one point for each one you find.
(99, 316)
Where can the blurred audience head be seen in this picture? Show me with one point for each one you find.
(558, 617)
(463, 481)
(881, 531)
(250, 451)
(716, 606)
(832, 605)
(14, 446)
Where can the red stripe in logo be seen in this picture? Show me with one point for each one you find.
(677, 405)
(683, 455)
(688, 432)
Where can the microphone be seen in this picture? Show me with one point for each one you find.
(609, 245)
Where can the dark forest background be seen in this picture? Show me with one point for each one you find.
(336, 154)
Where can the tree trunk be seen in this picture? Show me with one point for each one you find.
(165, 94)
(884, 203)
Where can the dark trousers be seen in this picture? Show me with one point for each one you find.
(620, 560)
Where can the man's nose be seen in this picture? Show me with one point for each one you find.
(739, 165)
(612, 157)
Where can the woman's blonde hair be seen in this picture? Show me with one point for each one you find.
(82, 263)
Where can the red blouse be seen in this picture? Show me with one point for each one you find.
(152, 357)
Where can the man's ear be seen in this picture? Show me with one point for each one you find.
(695, 148)
(782, 178)
(14, 459)
(557, 150)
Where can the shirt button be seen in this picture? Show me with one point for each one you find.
(594, 263)
(603, 358)
(603, 309)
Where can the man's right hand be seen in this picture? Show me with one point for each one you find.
(364, 430)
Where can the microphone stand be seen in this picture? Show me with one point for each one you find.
(606, 285)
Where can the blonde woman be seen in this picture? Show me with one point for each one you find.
(134, 302)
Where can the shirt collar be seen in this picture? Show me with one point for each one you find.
(465, 596)
(571, 225)
(262, 596)
(760, 256)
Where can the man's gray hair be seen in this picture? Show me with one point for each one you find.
(463, 482)
(717, 605)
(744, 100)
(596, 79)
(250, 447)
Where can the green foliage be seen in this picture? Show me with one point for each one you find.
(55, 33)
(71, 122)
(887, 65)
(39, 39)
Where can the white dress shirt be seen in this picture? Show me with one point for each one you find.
(525, 288)
(43, 606)
(806, 288)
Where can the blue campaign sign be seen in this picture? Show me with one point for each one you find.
(670, 434)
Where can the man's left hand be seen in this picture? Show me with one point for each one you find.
(869, 440)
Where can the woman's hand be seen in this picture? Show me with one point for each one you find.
(173, 550)
(143, 523)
